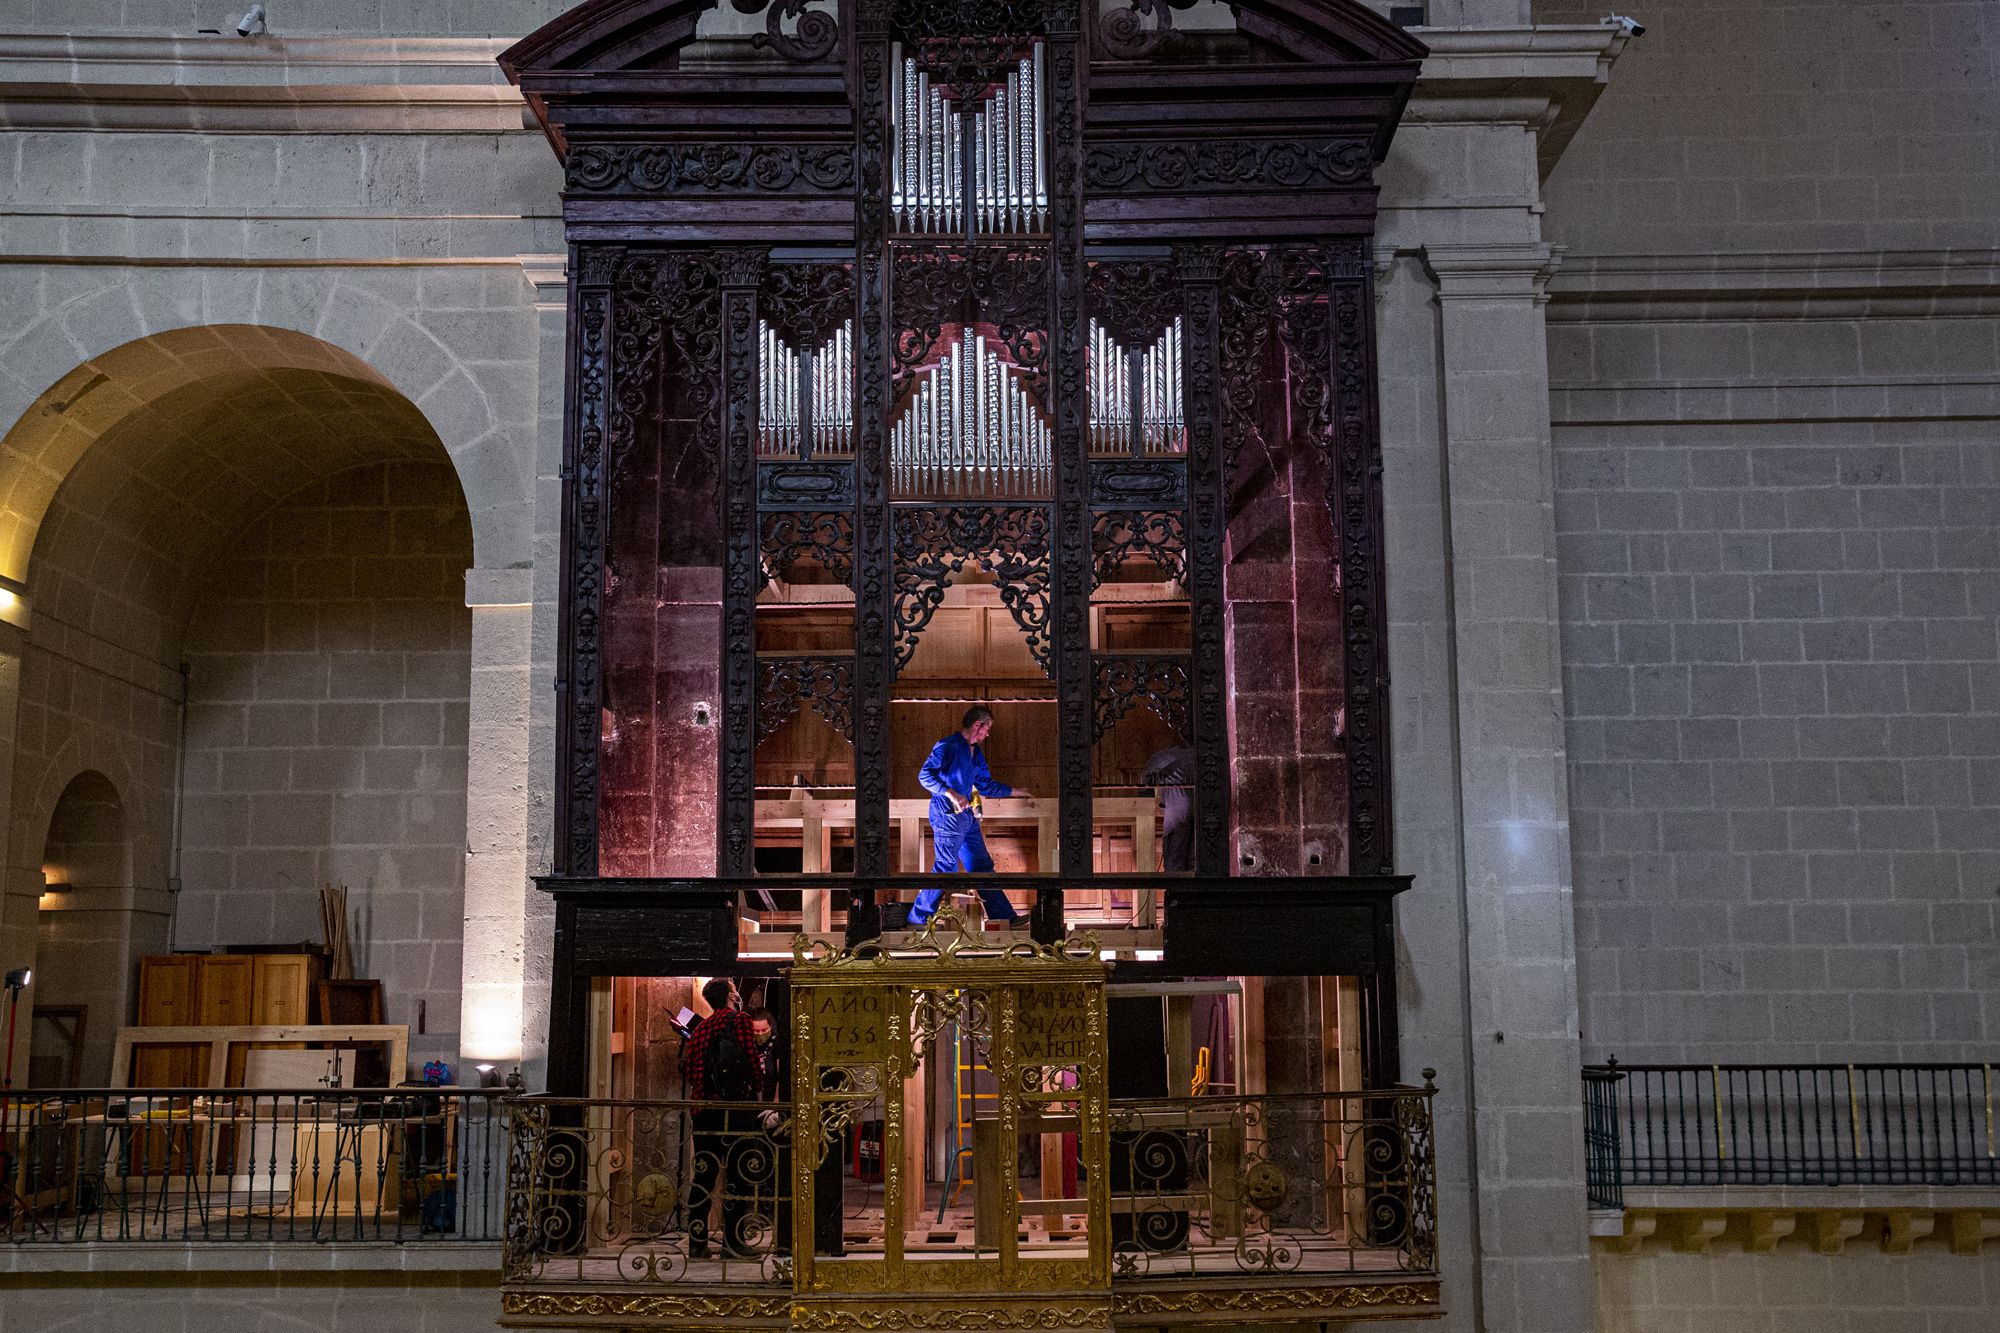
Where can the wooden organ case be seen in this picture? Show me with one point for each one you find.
(933, 352)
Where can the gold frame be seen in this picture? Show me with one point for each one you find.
(859, 1016)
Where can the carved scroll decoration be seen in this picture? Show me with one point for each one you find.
(709, 169)
(1005, 288)
(814, 36)
(1123, 35)
(788, 535)
(806, 303)
(669, 299)
(1160, 683)
(825, 683)
(1271, 164)
(1011, 542)
(1133, 301)
(1158, 534)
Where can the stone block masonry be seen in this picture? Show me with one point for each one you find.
(1783, 686)
(327, 722)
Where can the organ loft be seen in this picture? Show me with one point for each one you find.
(972, 645)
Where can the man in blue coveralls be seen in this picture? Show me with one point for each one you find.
(955, 770)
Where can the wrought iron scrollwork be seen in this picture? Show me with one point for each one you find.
(1005, 288)
(824, 683)
(1011, 542)
(826, 536)
(1158, 534)
(1160, 683)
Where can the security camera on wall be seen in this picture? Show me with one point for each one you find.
(1632, 26)
(251, 23)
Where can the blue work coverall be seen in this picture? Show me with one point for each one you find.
(956, 765)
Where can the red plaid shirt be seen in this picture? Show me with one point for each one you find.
(694, 1057)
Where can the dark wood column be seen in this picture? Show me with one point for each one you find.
(740, 272)
(1200, 269)
(874, 615)
(1071, 584)
(1354, 493)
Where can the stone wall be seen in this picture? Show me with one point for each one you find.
(1929, 1290)
(1808, 126)
(326, 738)
(1778, 464)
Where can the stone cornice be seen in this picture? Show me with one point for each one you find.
(1546, 78)
(1806, 285)
(61, 58)
(276, 85)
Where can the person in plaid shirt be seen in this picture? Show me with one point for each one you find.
(719, 1065)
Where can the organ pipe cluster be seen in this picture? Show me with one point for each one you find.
(1135, 396)
(969, 430)
(944, 164)
(805, 405)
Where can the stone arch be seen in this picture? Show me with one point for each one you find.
(145, 499)
(93, 922)
(88, 361)
(41, 788)
(86, 846)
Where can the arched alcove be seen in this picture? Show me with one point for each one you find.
(246, 594)
(91, 926)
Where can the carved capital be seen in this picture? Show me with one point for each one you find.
(1490, 271)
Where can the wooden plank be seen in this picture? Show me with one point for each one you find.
(219, 1040)
(1180, 1045)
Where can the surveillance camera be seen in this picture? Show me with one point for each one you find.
(1632, 26)
(252, 22)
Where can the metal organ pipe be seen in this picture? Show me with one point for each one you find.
(935, 164)
(805, 405)
(969, 430)
(1146, 415)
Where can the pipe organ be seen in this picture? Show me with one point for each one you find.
(964, 175)
(1135, 394)
(805, 406)
(967, 428)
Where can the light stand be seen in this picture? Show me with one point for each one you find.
(17, 981)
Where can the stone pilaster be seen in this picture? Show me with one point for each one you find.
(493, 1019)
(1519, 951)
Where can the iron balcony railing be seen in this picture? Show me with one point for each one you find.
(1860, 1124)
(701, 1193)
(180, 1165)
(1282, 1185)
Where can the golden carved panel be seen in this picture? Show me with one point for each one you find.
(1287, 1302)
(650, 1305)
(906, 1317)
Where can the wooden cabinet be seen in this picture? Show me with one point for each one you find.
(170, 996)
(284, 987)
(216, 990)
(226, 981)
